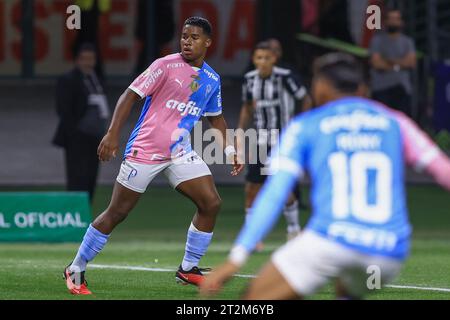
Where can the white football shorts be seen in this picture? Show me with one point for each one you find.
(137, 176)
(310, 261)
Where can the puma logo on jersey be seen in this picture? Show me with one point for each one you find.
(180, 82)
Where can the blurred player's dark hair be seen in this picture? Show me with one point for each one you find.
(263, 45)
(343, 71)
(87, 46)
(200, 22)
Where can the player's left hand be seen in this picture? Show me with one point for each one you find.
(214, 281)
(237, 166)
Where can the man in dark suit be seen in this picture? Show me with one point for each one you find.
(83, 113)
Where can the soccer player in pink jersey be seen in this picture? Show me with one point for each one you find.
(179, 89)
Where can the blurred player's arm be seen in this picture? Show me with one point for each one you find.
(246, 114)
(439, 169)
(266, 210)
(248, 106)
(110, 143)
(299, 92)
(287, 167)
(423, 154)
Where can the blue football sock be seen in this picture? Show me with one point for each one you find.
(196, 245)
(93, 243)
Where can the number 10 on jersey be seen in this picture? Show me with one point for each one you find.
(350, 185)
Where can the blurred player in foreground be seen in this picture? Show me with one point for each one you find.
(354, 150)
(179, 89)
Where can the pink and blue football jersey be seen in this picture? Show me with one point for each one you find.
(355, 151)
(177, 95)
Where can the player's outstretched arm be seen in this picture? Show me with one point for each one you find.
(110, 143)
(265, 212)
(219, 123)
(439, 169)
(423, 154)
(268, 205)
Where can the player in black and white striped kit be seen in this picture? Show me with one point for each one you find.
(270, 98)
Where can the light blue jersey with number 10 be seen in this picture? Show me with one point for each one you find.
(353, 151)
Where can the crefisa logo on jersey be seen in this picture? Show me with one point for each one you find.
(211, 75)
(184, 108)
(151, 76)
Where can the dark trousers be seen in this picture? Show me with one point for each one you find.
(396, 98)
(82, 163)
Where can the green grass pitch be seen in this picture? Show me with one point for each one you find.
(153, 236)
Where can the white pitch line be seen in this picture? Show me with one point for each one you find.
(106, 266)
(418, 288)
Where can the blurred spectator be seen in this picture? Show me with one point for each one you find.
(393, 56)
(90, 14)
(83, 113)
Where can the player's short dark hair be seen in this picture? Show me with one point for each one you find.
(86, 46)
(263, 45)
(201, 23)
(343, 71)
